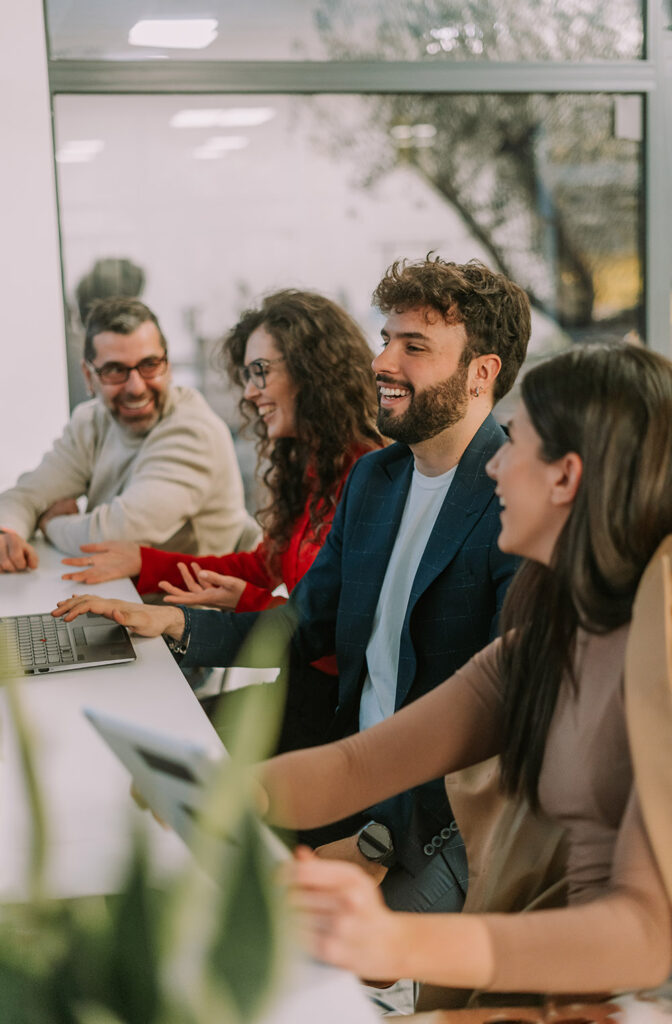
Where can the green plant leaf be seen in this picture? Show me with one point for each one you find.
(245, 952)
(93, 1013)
(210, 953)
(9, 672)
(132, 965)
(22, 997)
(257, 718)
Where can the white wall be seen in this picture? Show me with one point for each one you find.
(33, 390)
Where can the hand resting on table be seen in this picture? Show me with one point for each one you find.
(111, 560)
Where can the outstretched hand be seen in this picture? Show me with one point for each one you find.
(204, 587)
(111, 560)
(143, 619)
(342, 918)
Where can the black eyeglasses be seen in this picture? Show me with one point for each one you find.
(256, 371)
(118, 373)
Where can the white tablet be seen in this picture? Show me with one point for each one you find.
(171, 773)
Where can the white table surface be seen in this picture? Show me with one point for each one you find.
(86, 790)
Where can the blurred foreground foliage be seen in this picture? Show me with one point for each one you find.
(205, 947)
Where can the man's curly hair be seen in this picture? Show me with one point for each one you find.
(495, 311)
(329, 360)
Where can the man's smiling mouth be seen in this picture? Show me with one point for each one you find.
(388, 392)
(137, 405)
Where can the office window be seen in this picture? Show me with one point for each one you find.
(344, 30)
(324, 192)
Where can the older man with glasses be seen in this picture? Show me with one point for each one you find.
(155, 463)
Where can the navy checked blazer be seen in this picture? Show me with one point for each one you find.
(452, 611)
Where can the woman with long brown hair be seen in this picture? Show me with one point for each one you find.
(585, 485)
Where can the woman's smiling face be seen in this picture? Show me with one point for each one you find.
(276, 401)
(536, 496)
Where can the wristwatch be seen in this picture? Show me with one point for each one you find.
(179, 647)
(374, 842)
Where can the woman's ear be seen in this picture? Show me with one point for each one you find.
(566, 483)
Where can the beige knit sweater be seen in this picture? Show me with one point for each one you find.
(178, 487)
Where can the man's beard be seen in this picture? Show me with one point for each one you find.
(429, 411)
(141, 425)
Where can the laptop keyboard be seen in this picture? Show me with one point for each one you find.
(38, 641)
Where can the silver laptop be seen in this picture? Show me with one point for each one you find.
(171, 773)
(36, 644)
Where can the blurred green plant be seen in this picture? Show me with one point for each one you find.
(196, 951)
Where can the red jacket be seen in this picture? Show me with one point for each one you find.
(251, 566)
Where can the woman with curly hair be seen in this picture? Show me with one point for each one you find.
(310, 394)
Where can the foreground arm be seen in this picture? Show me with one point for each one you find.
(621, 941)
(455, 725)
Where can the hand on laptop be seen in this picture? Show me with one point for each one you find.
(111, 560)
(16, 554)
(143, 619)
(204, 587)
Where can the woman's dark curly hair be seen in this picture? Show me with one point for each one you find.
(329, 361)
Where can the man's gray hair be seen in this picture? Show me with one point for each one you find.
(120, 315)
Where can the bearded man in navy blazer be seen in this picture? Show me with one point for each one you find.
(409, 582)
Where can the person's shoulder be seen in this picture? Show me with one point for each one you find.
(489, 437)
(186, 405)
(189, 425)
(84, 412)
(181, 400)
(381, 467)
(88, 415)
(387, 456)
(486, 442)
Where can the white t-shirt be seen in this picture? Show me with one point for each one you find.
(423, 504)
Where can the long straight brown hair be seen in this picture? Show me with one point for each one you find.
(613, 407)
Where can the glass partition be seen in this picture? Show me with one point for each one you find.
(218, 199)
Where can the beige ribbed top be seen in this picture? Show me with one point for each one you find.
(617, 901)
